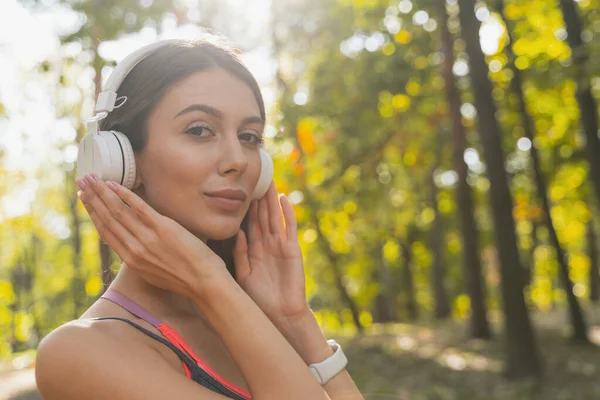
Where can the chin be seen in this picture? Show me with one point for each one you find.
(217, 230)
(223, 235)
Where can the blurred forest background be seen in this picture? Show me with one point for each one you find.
(442, 156)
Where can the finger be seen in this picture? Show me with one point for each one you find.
(105, 219)
(291, 225)
(147, 214)
(106, 235)
(240, 257)
(263, 216)
(275, 221)
(120, 211)
(129, 250)
(254, 232)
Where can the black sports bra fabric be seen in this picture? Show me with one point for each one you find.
(198, 374)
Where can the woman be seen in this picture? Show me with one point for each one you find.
(191, 315)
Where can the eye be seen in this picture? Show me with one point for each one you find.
(198, 130)
(252, 138)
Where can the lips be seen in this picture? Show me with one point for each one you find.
(226, 199)
(232, 194)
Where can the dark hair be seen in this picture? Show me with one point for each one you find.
(148, 81)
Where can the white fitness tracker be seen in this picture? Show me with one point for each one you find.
(331, 366)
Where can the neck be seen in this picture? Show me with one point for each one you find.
(162, 303)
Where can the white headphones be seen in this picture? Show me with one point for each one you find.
(109, 154)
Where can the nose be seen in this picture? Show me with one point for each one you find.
(233, 157)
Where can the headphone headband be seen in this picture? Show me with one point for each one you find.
(108, 97)
(109, 154)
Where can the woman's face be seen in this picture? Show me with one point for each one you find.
(203, 137)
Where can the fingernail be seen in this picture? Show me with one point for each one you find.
(81, 183)
(90, 179)
(112, 186)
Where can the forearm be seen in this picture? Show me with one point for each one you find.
(306, 337)
(271, 367)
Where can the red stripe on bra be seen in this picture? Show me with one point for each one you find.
(174, 337)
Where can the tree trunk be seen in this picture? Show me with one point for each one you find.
(77, 287)
(16, 280)
(523, 357)
(312, 207)
(575, 312)
(326, 248)
(383, 307)
(442, 305)
(529, 270)
(592, 245)
(35, 249)
(479, 325)
(585, 99)
(13, 308)
(553, 285)
(105, 262)
(409, 295)
(339, 284)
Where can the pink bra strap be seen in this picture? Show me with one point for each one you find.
(131, 306)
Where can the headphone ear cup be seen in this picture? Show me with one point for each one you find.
(109, 155)
(266, 174)
(128, 160)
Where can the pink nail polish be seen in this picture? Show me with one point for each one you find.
(112, 186)
(90, 179)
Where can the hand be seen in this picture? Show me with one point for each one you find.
(268, 264)
(162, 251)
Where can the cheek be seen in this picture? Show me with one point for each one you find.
(171, 178)
(179, 163)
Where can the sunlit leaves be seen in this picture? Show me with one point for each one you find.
(388, 49)
(462, 306)
(391, 251)
(401, 102)
(23, 323)
(305, 136)
(7, 295)
(93, 286)
(366, 319)
(373, 72)
(403, 37)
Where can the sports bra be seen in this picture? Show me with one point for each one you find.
(194, 367)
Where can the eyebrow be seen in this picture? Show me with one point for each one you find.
(218, 114)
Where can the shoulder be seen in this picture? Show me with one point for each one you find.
(82, 336)
(74, 335)
(87, 360)
(83, 353)
(74, 346)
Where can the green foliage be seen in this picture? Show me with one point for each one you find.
(363, 128)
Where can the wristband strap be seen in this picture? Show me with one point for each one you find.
(331, 366)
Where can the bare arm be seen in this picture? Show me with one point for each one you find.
(305, 335)
(270, 268)
(271, 367)
(77, 361)
(167, 255)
